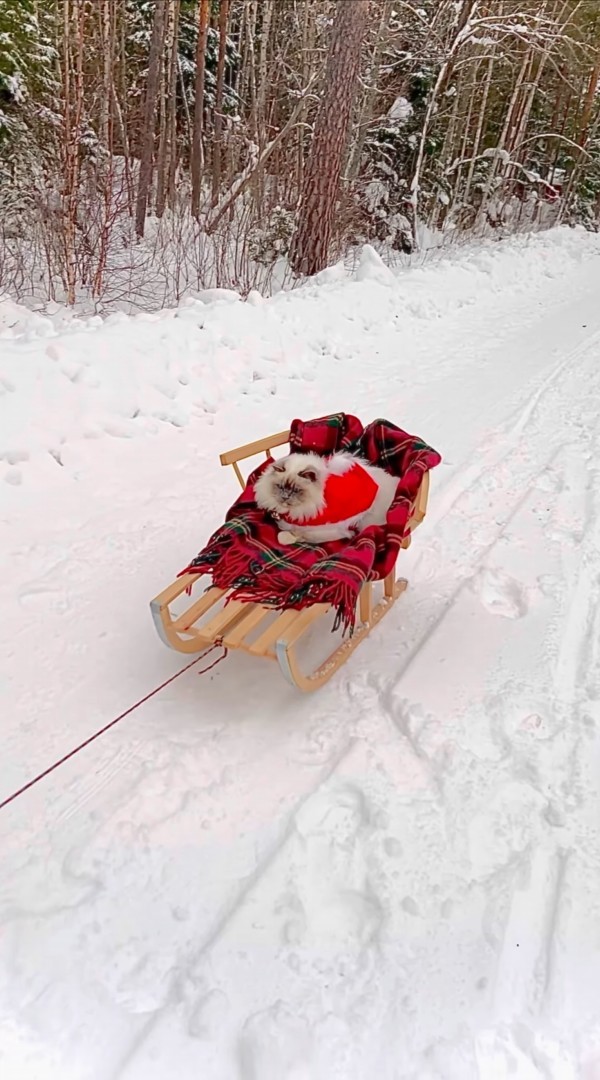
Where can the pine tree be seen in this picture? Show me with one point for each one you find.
(26, 60)
(311, 243)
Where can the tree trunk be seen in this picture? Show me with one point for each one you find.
(68, 155)
(263, 82)
(494, 164)
(585, 134)
(307, 50)
(466, 138)
(161, 153)
(166, 144)
(310, 246)
(466, 10)
(588, 104)
(108, 62)
(173, 106)
(108, 173)
(124, 140)
(263, 86)
(479, 132)
(152, 85)
(365, 111)
(198, 128)
(73, 96)
(252, 96)
(217, 149)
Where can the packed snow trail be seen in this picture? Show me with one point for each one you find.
(398, 877)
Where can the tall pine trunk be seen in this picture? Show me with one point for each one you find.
(198, 128)
(74, 18)
(152, 87)
(312, 239)
(219, 97)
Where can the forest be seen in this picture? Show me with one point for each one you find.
(150, 148)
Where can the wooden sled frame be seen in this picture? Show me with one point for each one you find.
(235, 624)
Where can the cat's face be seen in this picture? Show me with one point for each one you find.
(294, 483)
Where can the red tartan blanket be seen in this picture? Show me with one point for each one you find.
(243, 554)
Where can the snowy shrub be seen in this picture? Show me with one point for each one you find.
(266, 243)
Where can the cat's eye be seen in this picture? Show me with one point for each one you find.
(308, 474)
(278, 468)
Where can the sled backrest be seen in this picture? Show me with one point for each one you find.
(264, 446)
(261, 446)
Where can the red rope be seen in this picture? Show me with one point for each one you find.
(112, 723)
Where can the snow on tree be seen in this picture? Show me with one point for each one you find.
(218, 121)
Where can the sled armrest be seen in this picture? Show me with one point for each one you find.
(261, 446)
(421, 502)
(168, 595)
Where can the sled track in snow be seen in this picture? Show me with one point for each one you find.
(442, 521)
(504, 440)
(225, 916)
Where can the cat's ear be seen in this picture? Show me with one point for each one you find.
(308, 474)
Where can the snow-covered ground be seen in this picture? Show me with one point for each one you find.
(398, 877)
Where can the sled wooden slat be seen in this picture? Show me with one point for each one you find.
(303, 620)
(264, 643)
(237, 621)
(236, 637)
(223, 619)
(168, 595)
(198, 609)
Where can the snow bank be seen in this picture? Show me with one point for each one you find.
(64, 379)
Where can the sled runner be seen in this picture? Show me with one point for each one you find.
(261, 630)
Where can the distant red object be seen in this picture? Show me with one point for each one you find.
(551, 193)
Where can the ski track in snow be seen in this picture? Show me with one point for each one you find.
(398, 877)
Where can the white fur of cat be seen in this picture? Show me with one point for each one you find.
(294, 487)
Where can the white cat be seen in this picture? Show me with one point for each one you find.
(317, 499)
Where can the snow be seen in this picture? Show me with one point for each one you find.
(497, 152)
(397, 877)
(400, 111)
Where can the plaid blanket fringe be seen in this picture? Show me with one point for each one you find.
(243, 554)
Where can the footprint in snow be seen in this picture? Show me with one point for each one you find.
(14, 457)
(71, 370)
(410, 906)
(525, 725)
(520, 720)
(209, 1014)
(338, 903)
(120, 428)
(54, 352)
(14, 477)
(275, 1045)
(40, 593)
(550, 480)
(500, 594)
(139, 982)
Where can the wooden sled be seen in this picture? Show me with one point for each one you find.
(252, 627)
